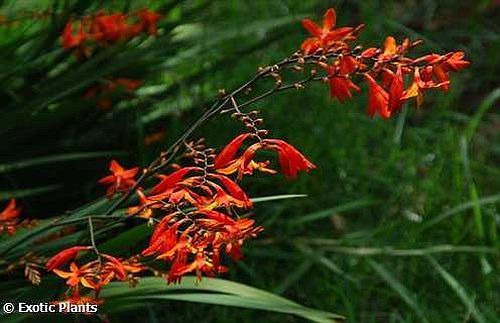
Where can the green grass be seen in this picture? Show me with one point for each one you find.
(401, 217)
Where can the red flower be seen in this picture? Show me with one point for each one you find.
(455, 62)
(233, 190)
(120, 180)
(341, 87)
(230, 150)
(168, 182)
(396, 91)
(64, 257)
(70, 40)
(148, 20)
(338, 78)
(378, 99)
(291, 160)
(442, 65)
(9, 217)
(109, 28)
(106, 29)
(325, 36)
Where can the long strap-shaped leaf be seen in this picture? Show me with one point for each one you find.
(222, 292)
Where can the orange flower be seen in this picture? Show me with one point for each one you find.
(92, 275)
(324, 37)
(391, 49)
(422, 81)
(378, 99)
(120, 180)
(133, 266)
(201, 264)
(9, 217)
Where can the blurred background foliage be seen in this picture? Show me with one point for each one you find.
(401, 217)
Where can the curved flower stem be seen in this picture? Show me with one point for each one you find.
(92, 239)
(218, 107)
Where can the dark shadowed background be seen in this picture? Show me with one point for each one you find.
(401, 217)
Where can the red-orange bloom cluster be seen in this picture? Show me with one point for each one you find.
(197, 224)
(9, 218)
(103, 92)
(92, 275)
(385, 70)
(198, 203)
(105, 29)
(120, 180)
(196, 207)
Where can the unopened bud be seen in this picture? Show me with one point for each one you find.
(262, 132)
(323, 64)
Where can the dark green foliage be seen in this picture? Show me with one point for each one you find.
(401, 217)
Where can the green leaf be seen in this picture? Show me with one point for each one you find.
(5, 195)
(492, 199)
(459, 290)
(222, 292)
(276, 197)
(398, 287)
(328, 212)
(55, 159)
